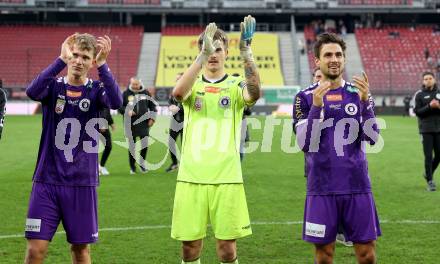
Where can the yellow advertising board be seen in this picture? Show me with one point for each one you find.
(178, 52)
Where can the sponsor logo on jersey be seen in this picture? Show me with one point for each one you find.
(333, 97)
(351, 109)
(84, 105)
(225, 102)
(73, 102)
(246, 227)
(352, 89)
(73, 93)
(211, 89)
(315, 230)
(59, 106)
(198, 103)
(298, 111)
(33, 225)
(335, 106)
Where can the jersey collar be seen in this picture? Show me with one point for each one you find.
(218, 81)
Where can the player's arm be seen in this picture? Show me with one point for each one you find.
(111, 95)
(307, 117)
(2, 110)
(251, 92)
(39, 87)
(366, 110)
(121, 109)
(152, 110)
(183, 86)
(422, 109)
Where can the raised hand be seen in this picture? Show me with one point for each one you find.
(320, 92)
(363, 86)
(67, 47)
(208, 46)
(434, 103)
(247, 28)
(104, 45)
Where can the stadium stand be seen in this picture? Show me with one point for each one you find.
(182, 30)
(394, 56)
(375, 2)
(27, 50)
(125, 2)
(12, 2)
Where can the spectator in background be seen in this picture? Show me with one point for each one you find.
(426, 53)
(140, 109)
(406, 102)
(427, 109)
(176, 128)
(105, 132)
(2, 107)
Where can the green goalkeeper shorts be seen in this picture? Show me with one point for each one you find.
(223, 204)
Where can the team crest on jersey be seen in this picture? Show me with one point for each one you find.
(225, 102)
(84, 105)
(351, 109)
(59, 107)
(198, 103)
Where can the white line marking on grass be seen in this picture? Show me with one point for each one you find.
(262, 223)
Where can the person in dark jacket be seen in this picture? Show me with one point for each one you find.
(427, 109)
(2, 107)
(407, 104)
(105, 132)
(176, 127)
(139, 110)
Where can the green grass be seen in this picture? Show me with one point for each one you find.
(275, 189)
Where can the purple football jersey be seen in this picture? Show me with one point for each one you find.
(68, 146)
(332, 138)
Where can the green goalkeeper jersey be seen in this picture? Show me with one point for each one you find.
(211, 133)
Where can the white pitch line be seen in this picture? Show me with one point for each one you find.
(262, 223)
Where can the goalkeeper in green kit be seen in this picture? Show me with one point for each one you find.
(209, 183)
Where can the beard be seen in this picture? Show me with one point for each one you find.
(333, 76)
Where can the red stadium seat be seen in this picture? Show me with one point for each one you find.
(395, 64)
(27, 50)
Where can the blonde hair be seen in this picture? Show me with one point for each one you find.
(87, 42)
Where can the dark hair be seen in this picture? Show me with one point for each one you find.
(326, 38)
(428, 73)
(219, 35)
